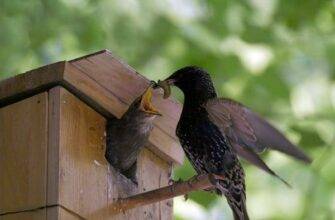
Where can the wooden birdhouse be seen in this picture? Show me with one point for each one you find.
(52, 142)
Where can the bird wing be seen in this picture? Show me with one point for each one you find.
(247, 129)
(254, 159)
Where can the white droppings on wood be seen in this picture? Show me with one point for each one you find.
(97, 163)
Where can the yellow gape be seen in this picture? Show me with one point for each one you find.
(146, 105)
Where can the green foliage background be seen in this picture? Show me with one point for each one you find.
(275, 56)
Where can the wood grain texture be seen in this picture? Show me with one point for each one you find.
(30, 83)
(153, 173)
(53, 145)
(91, 92)
(39, 214)
(49, 213)
(23, 150)
(82, 166)
(59, 213)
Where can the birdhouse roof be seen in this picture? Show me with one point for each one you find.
(106, 84)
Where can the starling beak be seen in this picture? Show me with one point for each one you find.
(166, 86)
(214, 131)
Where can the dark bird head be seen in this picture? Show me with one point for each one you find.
(194, 82)
(141, 109)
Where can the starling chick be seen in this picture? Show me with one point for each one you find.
(213, 131)
(126, 136)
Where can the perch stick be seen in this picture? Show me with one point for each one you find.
(178, 188)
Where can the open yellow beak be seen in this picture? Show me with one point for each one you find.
(146, 104)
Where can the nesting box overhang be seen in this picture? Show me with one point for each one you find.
(106, 84)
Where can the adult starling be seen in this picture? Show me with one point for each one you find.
(126, 136)
(213, 131)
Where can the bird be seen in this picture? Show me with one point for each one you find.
(214, 132)
(125, 137)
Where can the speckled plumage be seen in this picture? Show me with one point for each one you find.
(210, 152)
(208, 149)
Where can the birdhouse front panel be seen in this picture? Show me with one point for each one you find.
(23, 154)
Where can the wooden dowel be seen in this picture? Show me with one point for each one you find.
(199, 182)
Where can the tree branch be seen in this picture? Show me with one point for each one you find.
(178, 188)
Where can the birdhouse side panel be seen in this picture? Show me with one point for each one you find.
(23, 150)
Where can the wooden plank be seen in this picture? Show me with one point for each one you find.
(38, 214)
(49, 213)
(59, 213)
(120, 186)
(166, 206)
(23, 149)
(29, 83)
(82, 166)
(165, 147)
(152, 173)
(92, 92)
(53, 146)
